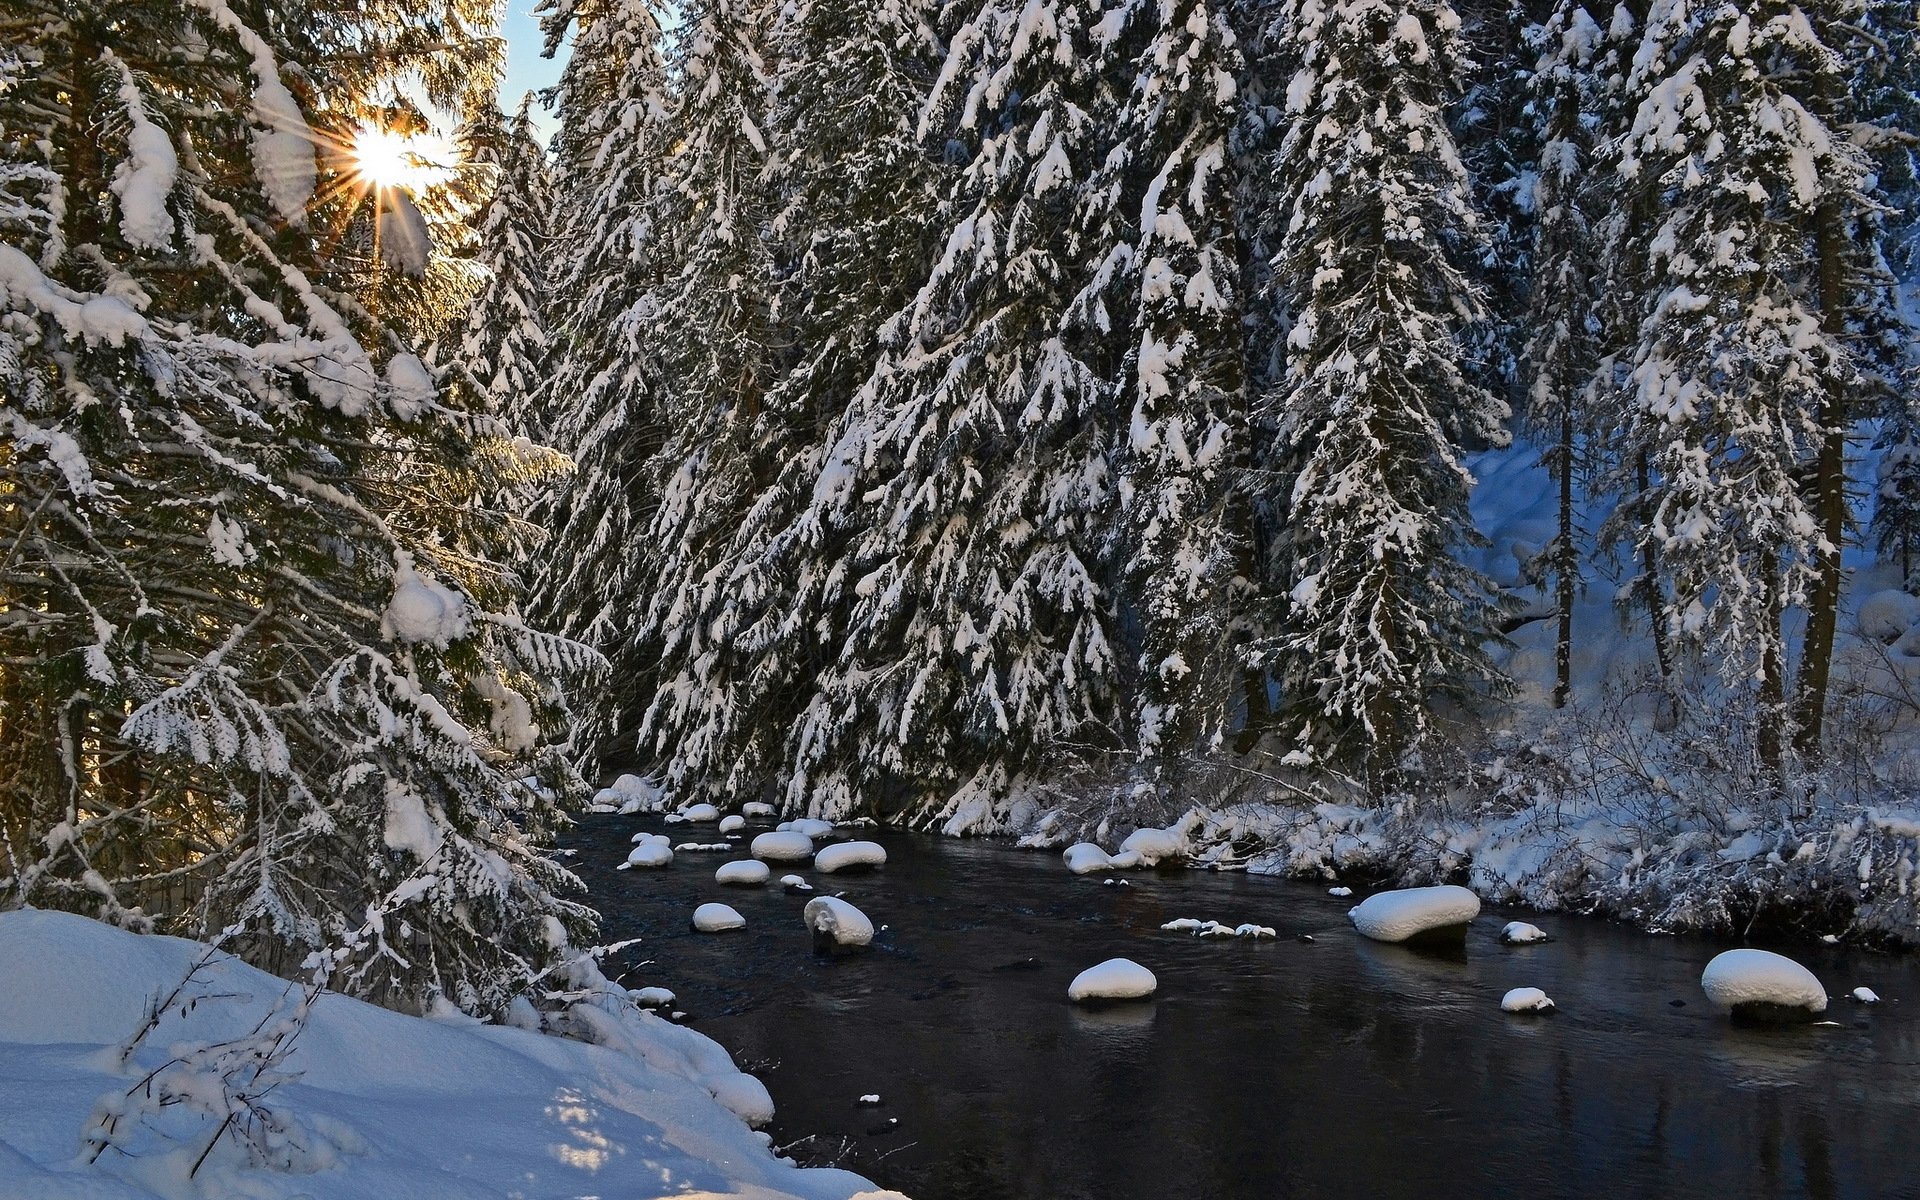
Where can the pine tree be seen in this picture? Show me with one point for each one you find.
(1385, 619)
(249, 686)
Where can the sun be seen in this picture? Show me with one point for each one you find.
(387, 158)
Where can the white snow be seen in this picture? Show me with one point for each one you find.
(833, 918)
(1865, 995)
(705, 847)
(1519, 933)
(1085, 858)
(755, 808)
(652, 997)
(1154, 846)
(700, 812)
(717, 918)
(732, 824)
(1212, 929)
(145, 180)
(745, 873)
(1746, 976)
(849, 855)
(379, 1106)
(413, 389)
(1397, 916)
(1340, 891)
(782, 846)
(808, 826)
(629, 794)
(1525, 1000)
(794, 883)
(650, 854)
(1114, 979)
(423, 611)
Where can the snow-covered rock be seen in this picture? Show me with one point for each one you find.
(747, 872)
(717, 918)
(732, 824)
(1155, 846)
(1214, 929)
(700, 813)
(650, 854)
(757, 809)
(644, 836)
(782, 846)
(1762, 983)
(1864, 995)
(794, 883)
(652, 997)
(1525, 1000)
(1250, 930)
(381, 1105)
(1185, 925)
(1125, 860)
(849, 856)
(808, 826)
(1085, 858)
(704, 847)
(1341, 892)
(1519, 933)
(1114, 979)
(1412, 912)
(836, 925)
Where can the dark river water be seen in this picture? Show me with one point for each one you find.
(1335, 1068)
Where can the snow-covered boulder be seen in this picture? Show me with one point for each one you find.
(808, 826)
(1114, 979)
(782, 846)
(1864, 995)
(652, 997)
(1085, 858)
(837, 926)
(630, 794)
(717, 918)
(704, 847)
(700, 813)
(644, 836)
(850, 856)
(745, 873)
(1125, 860)
(1340, 892)
(1526, 1000)
(1760, 983)
(1155, 846)
(650, 854)
(756, 809)
(1519, 933)
(732, 824)
(795, 883)
(1422, 912)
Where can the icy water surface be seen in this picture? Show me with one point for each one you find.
(1336, 1068)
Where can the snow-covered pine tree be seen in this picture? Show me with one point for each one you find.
(971, 473)
(705, 723)
(241, 684)
(1161, 206)
(1385, 619)
(1561, 351)
(856, 192)
(605, 281)
(1742, 363)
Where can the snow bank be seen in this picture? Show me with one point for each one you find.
(745, 873)
(1740, 979)
(1085, 858)
(409, 1107)
(1525, 1000)
(1114, 979)
(836, 924)
(1410, 912)
(782, 846)
(807, 826)
(717, 918)
(850, 856)
(1519, 933)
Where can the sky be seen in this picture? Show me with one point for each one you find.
(526, 70)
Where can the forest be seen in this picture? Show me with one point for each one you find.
(1018, 417)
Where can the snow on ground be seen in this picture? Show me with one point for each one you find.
(747, 872)
(782, 846)
(834, 921)
(1085, 858)
(1409, 912)
(1114, 979)
(1740, 977)
(1525, 1000)
(717, 918)
(849, 856)
(380, 1106)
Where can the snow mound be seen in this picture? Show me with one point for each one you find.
(807, 826)
(650, 854)
(1151, 847)
(652, 997)
(409, 1107)
(1114, 979)
(1738, 978)
(700, 812)
(1341, 892)
(630, 794)
(1865, 995)
(756, 808)
(644, 836)
(1409, 912)
(745, 873)
(1519, 933)
(1085, 858)
(1525, 1000)
(850, 856)
(717, 918)
(1887, 616)
(732, 824)
(835, 923)
(782, 846)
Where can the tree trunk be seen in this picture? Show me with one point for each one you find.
(1770, 737)
(1829, 502)
(1563, 567)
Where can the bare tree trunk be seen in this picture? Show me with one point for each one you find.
(1830, 506)
(1563, 567)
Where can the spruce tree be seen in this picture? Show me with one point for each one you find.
(1385, 619)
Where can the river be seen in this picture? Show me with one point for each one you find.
(1335, 1067)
